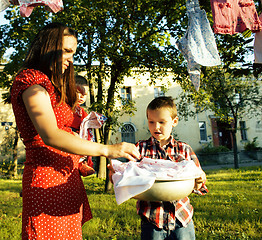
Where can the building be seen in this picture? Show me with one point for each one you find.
(198, 132)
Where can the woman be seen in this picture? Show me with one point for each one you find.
(43, 96)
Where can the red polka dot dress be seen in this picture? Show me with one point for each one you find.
(55, 205)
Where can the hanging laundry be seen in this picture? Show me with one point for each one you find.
(235, 16)
(4, 4)
(198, 45)
(258, 45)
(27, 6)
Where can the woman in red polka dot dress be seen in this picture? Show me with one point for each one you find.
(43, 96)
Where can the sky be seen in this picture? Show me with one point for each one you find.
(2, 19)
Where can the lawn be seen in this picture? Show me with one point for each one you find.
(231, 209)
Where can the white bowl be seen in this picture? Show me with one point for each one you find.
(167, 190)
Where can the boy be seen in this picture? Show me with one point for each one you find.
(167, 220)
(86, 166)
(80, 113)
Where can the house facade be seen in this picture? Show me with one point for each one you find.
(202, 130)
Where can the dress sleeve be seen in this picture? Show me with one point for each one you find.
(28, 78)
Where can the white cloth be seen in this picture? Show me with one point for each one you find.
(4, 4)
(92, 120)
(133, 178)
(198, 45)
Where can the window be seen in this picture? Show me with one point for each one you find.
(259, 126)
(128, 133)
(159, 92)
(203, 131)
(243, 130)
(125, 95)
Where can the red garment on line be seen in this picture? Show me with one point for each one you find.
(234, 16)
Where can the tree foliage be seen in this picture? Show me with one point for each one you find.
(118, 35)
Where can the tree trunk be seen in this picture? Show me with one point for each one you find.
(102, 167)
(235, 149)
(101, 171)
(15, 157)
(108, 184)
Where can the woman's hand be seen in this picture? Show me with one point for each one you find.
(123, 149)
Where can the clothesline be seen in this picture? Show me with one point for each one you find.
(198, 45)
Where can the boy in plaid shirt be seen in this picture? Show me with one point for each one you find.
(167, 220)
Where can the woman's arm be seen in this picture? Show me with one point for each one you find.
(40, 111)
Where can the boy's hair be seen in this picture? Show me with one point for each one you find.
(80, 80)
(80, 83)
(163, 102)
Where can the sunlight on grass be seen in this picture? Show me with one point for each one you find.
(231, 209)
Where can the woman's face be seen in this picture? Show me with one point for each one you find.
(69, 49)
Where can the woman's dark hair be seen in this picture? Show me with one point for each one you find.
(45, 55)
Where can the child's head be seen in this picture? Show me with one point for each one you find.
(82, 88)
(162, 117)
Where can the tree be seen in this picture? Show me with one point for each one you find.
(229, 90)
(117, 34)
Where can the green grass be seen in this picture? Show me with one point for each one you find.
(231, 209)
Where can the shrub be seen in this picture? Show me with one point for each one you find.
(6, 168)
(252, 146)
(212, 149)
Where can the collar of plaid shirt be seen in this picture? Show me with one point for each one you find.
(164, 214)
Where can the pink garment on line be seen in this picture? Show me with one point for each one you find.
(235, 16)
(258, 45)
(27, 6)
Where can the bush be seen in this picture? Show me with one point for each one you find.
(6, 168)
(252, 146)
(212, 149)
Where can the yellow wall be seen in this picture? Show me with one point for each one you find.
(6, 115)
(187, 131)
(142, 94)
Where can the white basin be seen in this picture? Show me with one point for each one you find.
(167, 190)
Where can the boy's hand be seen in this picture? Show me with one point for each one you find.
(199, 181)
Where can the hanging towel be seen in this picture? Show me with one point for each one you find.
(27, 6)
(234, 16)
(258, 45)
(4, 4)
(198, 45)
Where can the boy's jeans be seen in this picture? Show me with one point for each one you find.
(151, 232)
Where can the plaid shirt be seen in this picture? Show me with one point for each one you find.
(163, 214)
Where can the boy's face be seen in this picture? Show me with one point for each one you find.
(160, 124)
(81, 93)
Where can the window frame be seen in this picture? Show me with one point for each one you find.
(202, 131)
